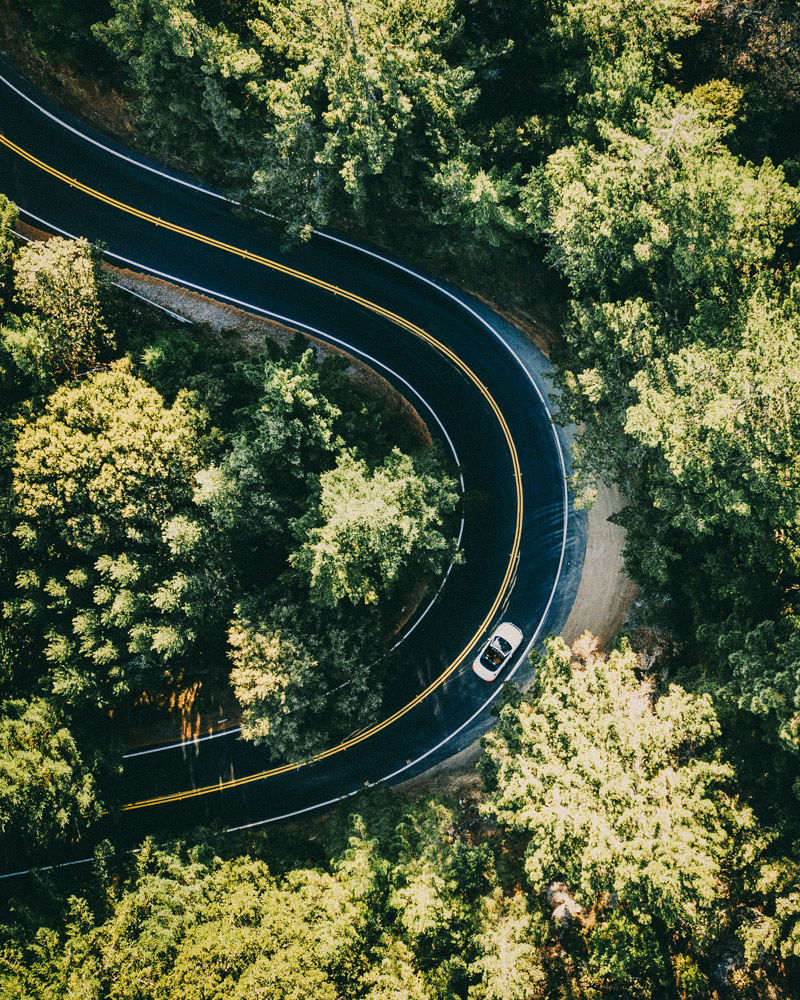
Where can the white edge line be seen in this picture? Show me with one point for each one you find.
(183, 743)
(496, 333)
(64, 864)
(435, 597)
(48, 868)
(265, 312)
(142, 164)
(152, 302)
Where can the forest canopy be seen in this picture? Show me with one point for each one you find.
(624, 171)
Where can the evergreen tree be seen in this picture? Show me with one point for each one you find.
(113, 581)
(62, 282)
(374, 529)
(47, 792)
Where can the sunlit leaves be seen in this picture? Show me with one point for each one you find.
(619, 791)
(373, 526)
(103, 485)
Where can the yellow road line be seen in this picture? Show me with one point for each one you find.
(392, 318)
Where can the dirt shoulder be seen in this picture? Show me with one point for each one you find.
(248, 332)
(604, 593)
(188, 714)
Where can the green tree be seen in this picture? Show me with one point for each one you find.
(190, 925)
(773, 929)
(764, 664)
(195, 82)
(718, 428)
(62, 30)
(62, 282)
(680, 354)
(664, 210)
(303, 680)
(510, 951)
(114, 581)
(8, 219)
(47, 793)
(300, 416)
(756, 45)
(284, 440)
(368, 92)
(374, 528)
(624, 803)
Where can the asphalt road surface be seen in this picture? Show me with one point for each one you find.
(479, 384)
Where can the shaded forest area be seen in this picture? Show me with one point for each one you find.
(640, 825)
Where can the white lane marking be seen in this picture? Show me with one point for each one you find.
(64, 864)
(183, 743)
(49, 868)
(420, 277)
(175, 178)
(436, 595)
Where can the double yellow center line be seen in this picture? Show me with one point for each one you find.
(397, 321)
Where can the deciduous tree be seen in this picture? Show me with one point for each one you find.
(113, 581)
(375, 527)
(47, 792)
(303, 679)
(624, 802)
(62, 282)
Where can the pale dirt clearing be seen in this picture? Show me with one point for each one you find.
(604, 595)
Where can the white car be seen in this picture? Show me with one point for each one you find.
(497, 651)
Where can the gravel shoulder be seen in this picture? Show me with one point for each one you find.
(604, 595)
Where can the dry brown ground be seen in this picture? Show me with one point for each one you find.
(604, 592)
(604, 595)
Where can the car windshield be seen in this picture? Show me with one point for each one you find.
(497, 650)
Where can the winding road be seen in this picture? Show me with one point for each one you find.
(477, 381)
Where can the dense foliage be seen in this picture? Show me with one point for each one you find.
(647, 153)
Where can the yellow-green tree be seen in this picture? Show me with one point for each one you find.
(112, 581)
(62, 283)
(375, 527)
(303, 678)
(625, 803)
